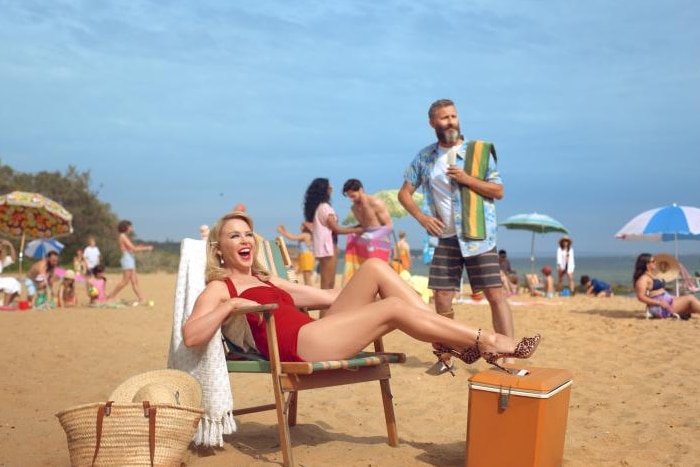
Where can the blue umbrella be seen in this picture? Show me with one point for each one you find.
(666, 224)
(535, 223)
(41, 247)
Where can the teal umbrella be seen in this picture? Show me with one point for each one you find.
(535, 223)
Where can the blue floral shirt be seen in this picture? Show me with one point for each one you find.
(418, 174)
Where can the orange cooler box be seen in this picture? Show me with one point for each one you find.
(518, 419)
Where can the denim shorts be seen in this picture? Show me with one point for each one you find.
(128, 261)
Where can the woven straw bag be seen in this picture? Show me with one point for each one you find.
(133, 434)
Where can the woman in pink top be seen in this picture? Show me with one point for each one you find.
(324, 229)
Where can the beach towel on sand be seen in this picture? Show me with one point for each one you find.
(374, 242)
(476, 163)
(207, 364)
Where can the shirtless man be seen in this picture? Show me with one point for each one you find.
(44, 268)
(374, 219)
(369, 210)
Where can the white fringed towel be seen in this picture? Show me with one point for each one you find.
(207, 364)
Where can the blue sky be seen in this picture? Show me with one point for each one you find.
(181, 109)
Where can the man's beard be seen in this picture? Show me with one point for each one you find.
(448, 136)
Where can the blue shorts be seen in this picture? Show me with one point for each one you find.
(128, 261)
(31, 287)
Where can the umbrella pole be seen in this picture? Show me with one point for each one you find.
(532, 254)
(21, 255)
(678, 286)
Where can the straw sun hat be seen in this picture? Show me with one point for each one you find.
(667, 267)
(150, 420)
(160, 386)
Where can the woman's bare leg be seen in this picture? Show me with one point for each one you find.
(342, 335)
(560, 275)
(126, 278)
(686, 304)
(326, 266)
(307, 277)
(572, 286)
(135, 286)
(375, 277)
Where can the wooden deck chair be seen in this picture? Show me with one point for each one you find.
(288, 378)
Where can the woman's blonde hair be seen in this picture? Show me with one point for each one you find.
(214, 270)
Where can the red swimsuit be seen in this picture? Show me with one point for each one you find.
(288, 319)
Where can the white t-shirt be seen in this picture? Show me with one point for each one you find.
(442, 193)
(92, 256)
(5, 263)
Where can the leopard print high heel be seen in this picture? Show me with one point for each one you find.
(469, 355)
(524, 349)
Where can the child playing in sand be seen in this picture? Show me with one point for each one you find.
(595, 287)
(97, 286)
(548, 281)
(42, 299)
(66, 291)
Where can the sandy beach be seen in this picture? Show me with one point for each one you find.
(633, 399)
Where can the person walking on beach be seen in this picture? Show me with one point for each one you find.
(565, 264)
(324, 229)
(467, 236)
(128, 262)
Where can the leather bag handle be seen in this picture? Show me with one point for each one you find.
(104, 410)
(149, 412)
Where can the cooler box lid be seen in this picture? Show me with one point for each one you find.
(535, 382)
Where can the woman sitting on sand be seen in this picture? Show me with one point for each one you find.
(652, 292)
(355, 316)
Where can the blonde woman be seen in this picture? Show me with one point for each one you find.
(355, 316)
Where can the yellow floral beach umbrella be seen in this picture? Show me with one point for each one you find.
(32, 215)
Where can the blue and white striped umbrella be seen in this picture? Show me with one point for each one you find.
(665, 224)
(41, 247)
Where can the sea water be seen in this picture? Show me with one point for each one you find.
(616, 270)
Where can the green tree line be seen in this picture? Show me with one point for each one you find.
(91, 217)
